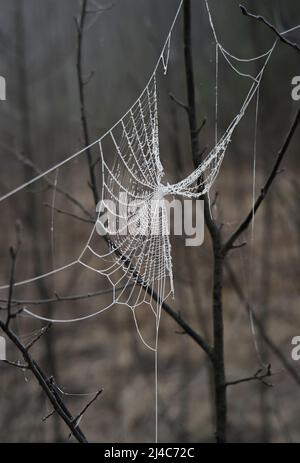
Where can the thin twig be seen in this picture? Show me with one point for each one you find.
(49, 415)
(87, 406)
(100, 10)
(201, 126)
(81, 86)
(52, 184)
(260, 328)
(31, 364)
(270, 26)
(39, 336)
(13, 254)
(59, 298)
(260, 376)
(22, 366)
(179, 103)
(188, 329)
(69, 214)
(60, 408)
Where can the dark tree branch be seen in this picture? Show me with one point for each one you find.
(239, 246)
(262, 332)
(42, 380)
(247, 221)
(22, 366)
(272, 346)
(87, 406)
(270, 26)
(31, 364)
(81, 84)
(260, 376)
(59, 298)
(201, 126)
(69, 214)
(13, 254)
(187, 328)
(39, 336)
(179, 103)
(48, 416)
(51, 184)
(100, 10)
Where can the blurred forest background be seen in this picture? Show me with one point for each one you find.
(41, 120)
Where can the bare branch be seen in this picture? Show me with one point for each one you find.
(13, 254)
(88, 405)
(201, 126)
(22, 366)
(272, 345)
(39, 336)
(59, 298)
(188, 329)
(69, 214)
(270, 26)
(89, 78)
(260, 376)
(81, 84)
(31, 364)
(215, 200)
(59, 407)
(245, 224)
(51, 184)
(101, 9)
(179, 103)
(49, 415)
(239, 246)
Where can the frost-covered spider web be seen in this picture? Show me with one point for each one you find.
(138, 258)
